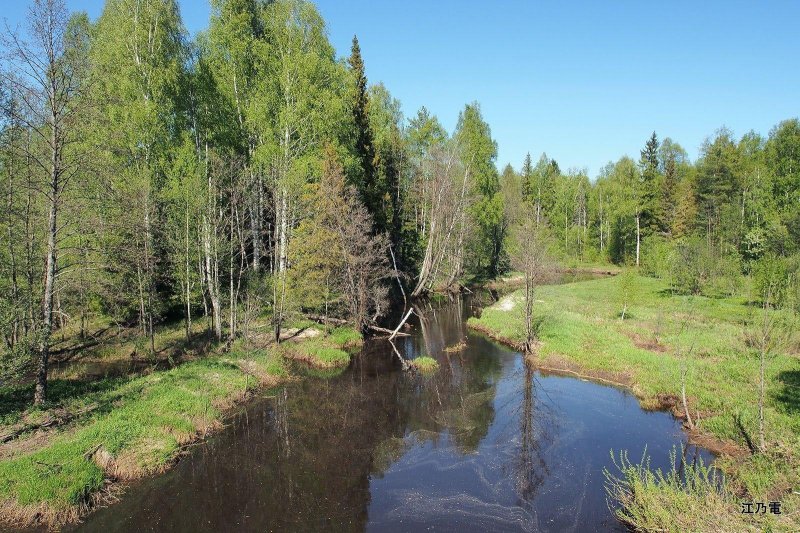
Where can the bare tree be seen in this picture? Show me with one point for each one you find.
(48, 83)
(530, 256)
(685, 356)
(444, 193)
(363, 256)
(769, 332)
(336, 254)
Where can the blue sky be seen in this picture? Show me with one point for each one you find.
(585, 82)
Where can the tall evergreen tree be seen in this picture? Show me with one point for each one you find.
(717, 184)
(526, 175)
(366, 182)
(386, 127)
(648, 189)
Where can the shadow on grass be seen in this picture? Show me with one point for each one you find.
(199, 343)
(97, 379)
(789, 395)
(101, 336)
(669, 292)
(16, 400)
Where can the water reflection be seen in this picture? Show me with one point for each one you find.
(485, 443)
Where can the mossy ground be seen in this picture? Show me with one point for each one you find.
(579, 330)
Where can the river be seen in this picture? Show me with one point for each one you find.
(485, 444)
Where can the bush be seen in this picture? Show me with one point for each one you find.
(697, 268)
(657, 258)
(771, 280)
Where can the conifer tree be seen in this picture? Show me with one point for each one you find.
(526, 175)
(364, 143)
(648, 163)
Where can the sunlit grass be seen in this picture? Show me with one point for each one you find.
(579, 326)
(133, 426)
(325, 351)
(139, 429)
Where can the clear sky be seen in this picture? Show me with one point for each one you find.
(585, 82)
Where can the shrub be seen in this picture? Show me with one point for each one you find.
(697, 268)
(657, 258)
(689, 496)
(771, 279)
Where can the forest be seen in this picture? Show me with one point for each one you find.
(249, 178)
(149, 178)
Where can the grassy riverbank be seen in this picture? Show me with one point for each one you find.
(94, 432)
(581, 332)
(322, 349)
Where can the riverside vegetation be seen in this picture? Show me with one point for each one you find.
(124, 427)
(184, 201)
(580, 331)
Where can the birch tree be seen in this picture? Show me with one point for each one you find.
(530, 255)
(47, 79)
(139, 49)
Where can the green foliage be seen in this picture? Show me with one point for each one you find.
(17, 361)
(580, 325)
(478, 152)
(772, 280)
(657, 258)
(698, 269)
(688, 496)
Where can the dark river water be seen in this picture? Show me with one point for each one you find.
(483, 445)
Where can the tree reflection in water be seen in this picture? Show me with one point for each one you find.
(484, 443)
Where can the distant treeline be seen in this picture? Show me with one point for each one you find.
(734, 211)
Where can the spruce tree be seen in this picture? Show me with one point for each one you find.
(648, 163)
(527, 176)
(364, 145)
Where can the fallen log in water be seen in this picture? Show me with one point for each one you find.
(400, 325)
(388, 331)
(340, 322)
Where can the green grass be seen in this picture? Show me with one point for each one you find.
(317, 352)
(260, 362)
(326, 351)
(138, 429)
(649, 496)
(579, 327)
(425, 364)
(346, 337)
